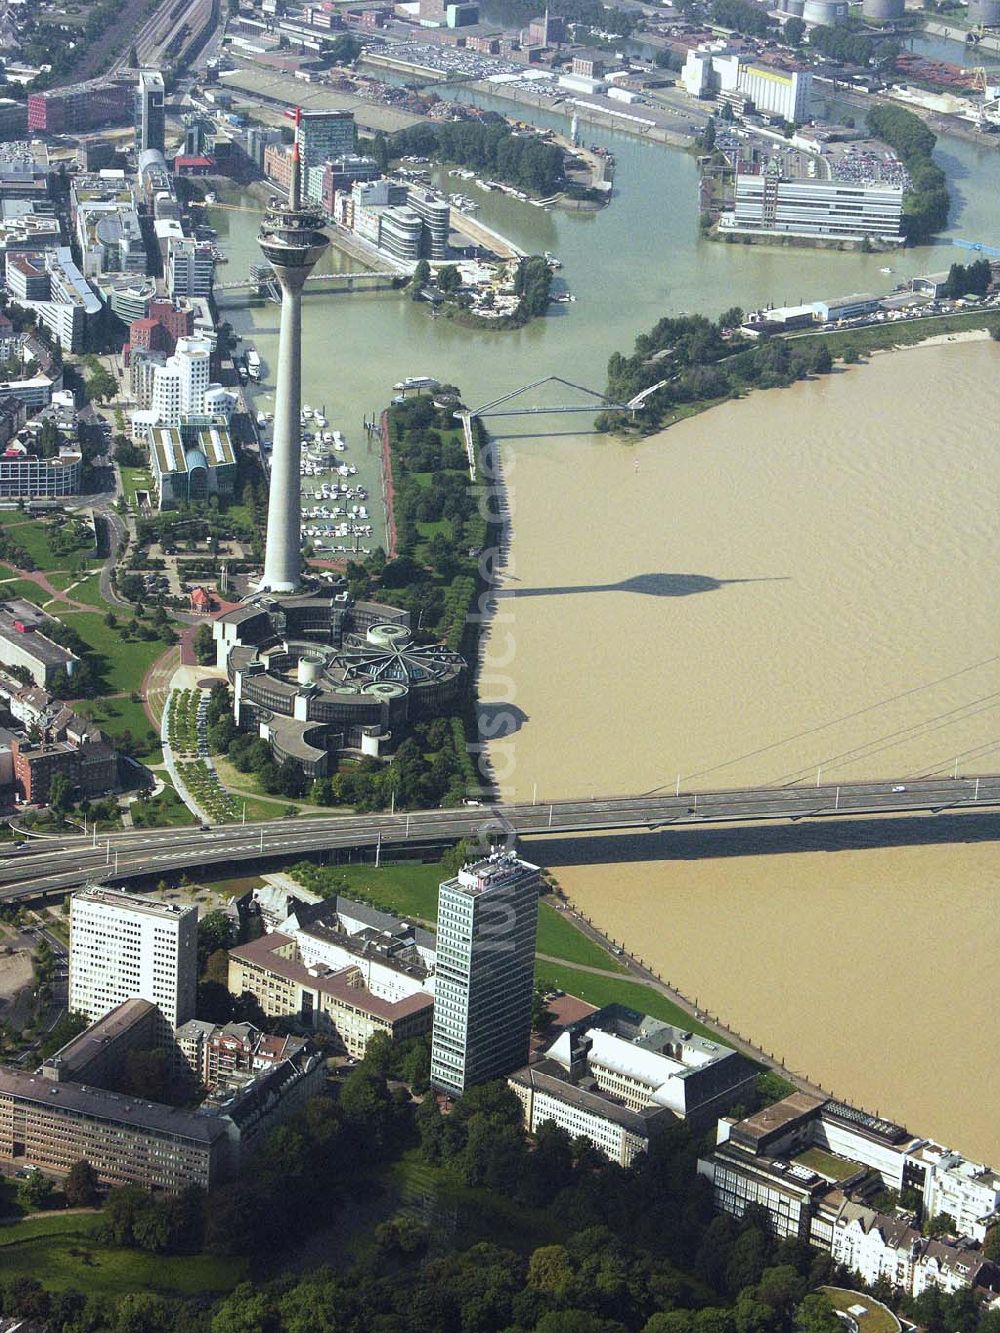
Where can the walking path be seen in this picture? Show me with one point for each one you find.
(170, 763)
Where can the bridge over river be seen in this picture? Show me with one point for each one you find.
(49, 866)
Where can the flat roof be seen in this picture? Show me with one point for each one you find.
(82, 1049)
(108, 897)
(131, 1112)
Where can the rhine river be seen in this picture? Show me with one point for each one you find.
(822, 596)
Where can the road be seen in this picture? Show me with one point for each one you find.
(55, 864)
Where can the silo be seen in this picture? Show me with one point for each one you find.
(829, 13)
(986, 12)
(794, 8)
(883, 11)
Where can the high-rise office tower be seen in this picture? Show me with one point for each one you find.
(123, 947)
(291, 240)
(149, 123)
(324, 136)
(484, 979)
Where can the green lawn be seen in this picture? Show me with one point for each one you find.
(125, 662)
(33, 536)
(135, 479)
(879, 1319)
(600, 991)
(61, 1251)
(825, 1164)
(407, 887)
(25, 588)
(168, 809)
(559, 938)
(88, 591)
(116, 716)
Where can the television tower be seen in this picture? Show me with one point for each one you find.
(292, 241)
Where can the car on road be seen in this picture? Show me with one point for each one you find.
(899, 787)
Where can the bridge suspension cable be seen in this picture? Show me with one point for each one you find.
(894, 738)
(825, 726)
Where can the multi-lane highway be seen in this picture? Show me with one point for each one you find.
(52, 864)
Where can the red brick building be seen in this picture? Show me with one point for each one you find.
(92, 768)
(158, 332)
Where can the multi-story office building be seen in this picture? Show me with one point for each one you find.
(190, 267)
(189, 466)
(178, 388)
(362, 991)
(24, 473)
(621, 1077)
(822, 210)
(810, 1164)
(49, 282)
(13, 119)
(149, 111)
(435, 214)
(323, 137)
(90, 765)
(82, 107)
(127, 1141)
(123, 946)
(23, 642)
(487, 924)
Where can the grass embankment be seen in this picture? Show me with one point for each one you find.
(46, 542)
(410, 889)
(62, 1251)
(602, 990)
(903, 333)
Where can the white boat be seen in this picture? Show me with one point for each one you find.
(418, 382)
(552, 261)
(306, 411)
(885, 270)
(253, 363)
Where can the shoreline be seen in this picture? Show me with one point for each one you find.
(689, 410)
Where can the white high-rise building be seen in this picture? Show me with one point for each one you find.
(487, 925)
(123, 947)
(190, 267)
(181, 389)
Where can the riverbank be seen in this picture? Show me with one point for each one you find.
(845, 345)
(773, 607)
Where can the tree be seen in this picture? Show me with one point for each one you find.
(449, 280)
(34, 1191)
(215, 931)
(80, 1186)
(60, 794)
(815, 1314)
(421, 277)
(991, 1245)
(204, 645)
(795, 30)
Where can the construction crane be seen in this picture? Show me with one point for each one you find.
(984, 102)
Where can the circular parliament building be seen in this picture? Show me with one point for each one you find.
(320, 676)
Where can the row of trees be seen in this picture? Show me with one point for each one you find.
(489, 146)
(969, 279)
(700, 365)
(851, 47)
(926, 204)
